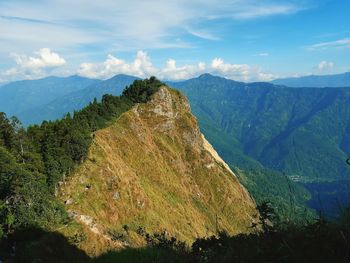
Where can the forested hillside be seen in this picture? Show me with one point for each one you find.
(35, 160)
(301, 132)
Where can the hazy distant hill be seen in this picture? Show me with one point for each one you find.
(331, 81)
(75, 100)
(20, 96)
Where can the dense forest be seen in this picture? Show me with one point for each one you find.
(34, 161)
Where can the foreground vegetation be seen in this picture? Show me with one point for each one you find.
(317, 241)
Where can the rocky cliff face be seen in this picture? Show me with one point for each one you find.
(153, 168)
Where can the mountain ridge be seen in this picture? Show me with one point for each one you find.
(154, 161)
(316, 81)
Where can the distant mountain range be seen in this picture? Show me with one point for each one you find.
(50, 98)
(34, 101)
(330, 81)
(21, 96)
(74, 100)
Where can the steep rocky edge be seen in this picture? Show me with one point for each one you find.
(153, 168)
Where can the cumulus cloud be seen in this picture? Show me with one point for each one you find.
(30, 67)
(46, 62)
(324, 66)
(108, 26)
(172, 72)
(142, 67)
(45, 59)
(241, 72)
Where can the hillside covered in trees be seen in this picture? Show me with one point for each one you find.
(273, 133)
(33, 161)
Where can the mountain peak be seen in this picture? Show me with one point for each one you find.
(204, 75)
(153, 168)
(123, 76)
(76, 77)
(207, 76)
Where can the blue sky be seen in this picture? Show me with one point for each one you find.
(247, 40)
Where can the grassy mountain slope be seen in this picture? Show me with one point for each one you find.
(338, 80)
(20, 96)
(152, 168)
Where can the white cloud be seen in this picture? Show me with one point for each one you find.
(241, 72)
(324, 66)
(33, 66)
(341, 43)
(126, 24)
(172, 72)
(140, 67)
(45, 62)
(143, 67)
(45, 59)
